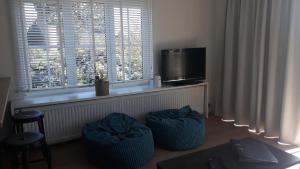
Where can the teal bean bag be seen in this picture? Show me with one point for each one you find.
(118, 142)
(177, 129)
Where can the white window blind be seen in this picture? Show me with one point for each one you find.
(65, 43)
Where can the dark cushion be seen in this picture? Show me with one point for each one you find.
(118, 141)
(177, 129)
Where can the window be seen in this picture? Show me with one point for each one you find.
(65, 43)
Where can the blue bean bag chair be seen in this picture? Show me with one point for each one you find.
(175, 129)
(118, 142)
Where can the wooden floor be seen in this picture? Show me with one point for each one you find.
(71, 155)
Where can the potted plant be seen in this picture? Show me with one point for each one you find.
(101, 85)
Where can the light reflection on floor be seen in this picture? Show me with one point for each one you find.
(296, 152)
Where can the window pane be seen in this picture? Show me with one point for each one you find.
(101, 62)
(90, 41)
(128, 43)
(99, 27)
(83, 42)
(118, 44)
(136, 63)
(134, 43)
(100, 37)
(85, 66)
(44, 54)
(82, 21)
(45, 67)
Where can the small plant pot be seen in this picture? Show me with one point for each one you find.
(102, 87)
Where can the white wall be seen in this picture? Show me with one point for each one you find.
(176, 23)
(6, 43)
(6, 60)
(192, 23)
(179, 23)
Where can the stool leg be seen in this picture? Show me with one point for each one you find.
(20, 128)
(47, 153)
(14, 159)
(17, 127)
(1, 158)
(41, 126)
(13, 127)
(49, 159)
(24, 159)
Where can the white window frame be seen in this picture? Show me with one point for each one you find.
(24, 84)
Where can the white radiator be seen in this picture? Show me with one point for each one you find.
(64, 121)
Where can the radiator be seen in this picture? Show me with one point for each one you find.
(63, 122)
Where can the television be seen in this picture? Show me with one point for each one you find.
(183, 65)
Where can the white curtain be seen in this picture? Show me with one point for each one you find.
(261, 69)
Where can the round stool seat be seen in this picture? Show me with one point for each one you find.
(24, 139)
(27, 116)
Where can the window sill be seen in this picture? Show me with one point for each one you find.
(89, 94)
(37, 101)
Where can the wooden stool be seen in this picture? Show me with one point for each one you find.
(27, 117)
(22, 142)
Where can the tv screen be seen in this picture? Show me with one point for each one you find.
(187, 64)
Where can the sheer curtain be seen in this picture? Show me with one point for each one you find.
(261, 69)
(290, 118)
